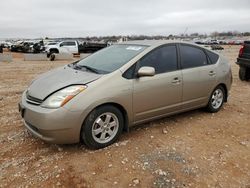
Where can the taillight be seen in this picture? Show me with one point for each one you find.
(241, 51)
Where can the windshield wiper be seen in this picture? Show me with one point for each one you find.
(73, 64)
(87, 68)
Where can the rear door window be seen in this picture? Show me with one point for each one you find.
(70, 44)
(192, 57)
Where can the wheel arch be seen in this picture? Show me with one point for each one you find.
(119, 107)
(225, 89)
(54, 50)
(123, 111)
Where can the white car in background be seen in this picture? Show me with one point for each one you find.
(62, 47)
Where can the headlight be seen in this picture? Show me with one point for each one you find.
(61, 97)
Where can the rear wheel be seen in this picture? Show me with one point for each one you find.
(102, 127)
(243, 73)
(216, 100)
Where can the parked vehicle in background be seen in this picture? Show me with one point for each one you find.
(243, 61)
(62, 47)
(20, 46)
(27, 46)
(91, 47)
(95, 99)
(73, 47)
(210, 42)
(216, 47)
(214, 41)
(37, 47)
(1, 48)
(6, 44)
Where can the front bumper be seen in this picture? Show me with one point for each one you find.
(59, 126)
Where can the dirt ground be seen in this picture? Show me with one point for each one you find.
(193, 149)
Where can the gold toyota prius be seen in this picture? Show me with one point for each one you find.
(93, 100)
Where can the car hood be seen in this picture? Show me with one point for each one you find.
(57, 79)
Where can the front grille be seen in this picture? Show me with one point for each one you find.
(33, 100)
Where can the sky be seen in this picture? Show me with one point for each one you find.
(81, 18)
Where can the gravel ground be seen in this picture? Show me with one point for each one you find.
(192, 149)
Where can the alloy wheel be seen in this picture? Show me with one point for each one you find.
(105, 127)
(217, 98)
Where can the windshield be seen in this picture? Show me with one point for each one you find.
(111, 58)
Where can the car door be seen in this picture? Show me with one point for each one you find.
(72, 47)
(63, 47)
(199, 77)
(161, 94)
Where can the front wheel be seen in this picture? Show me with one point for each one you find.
(52, 57)
(216, 100)
(102, 127)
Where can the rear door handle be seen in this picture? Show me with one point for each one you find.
(212, 73)
(176, 80)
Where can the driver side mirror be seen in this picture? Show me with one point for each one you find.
(61, 45)
(146, 71)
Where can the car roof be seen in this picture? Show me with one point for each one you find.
(153, 43)
(156, 43)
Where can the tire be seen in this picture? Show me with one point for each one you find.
(52, 51)
(52, 57)
(102, 127)
(247, 74)
(216, 100)
(243, 73)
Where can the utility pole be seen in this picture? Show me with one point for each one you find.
(185, 31)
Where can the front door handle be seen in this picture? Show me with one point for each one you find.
(212, 73)
(176, 80)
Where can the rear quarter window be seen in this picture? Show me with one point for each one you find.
(212, 57)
